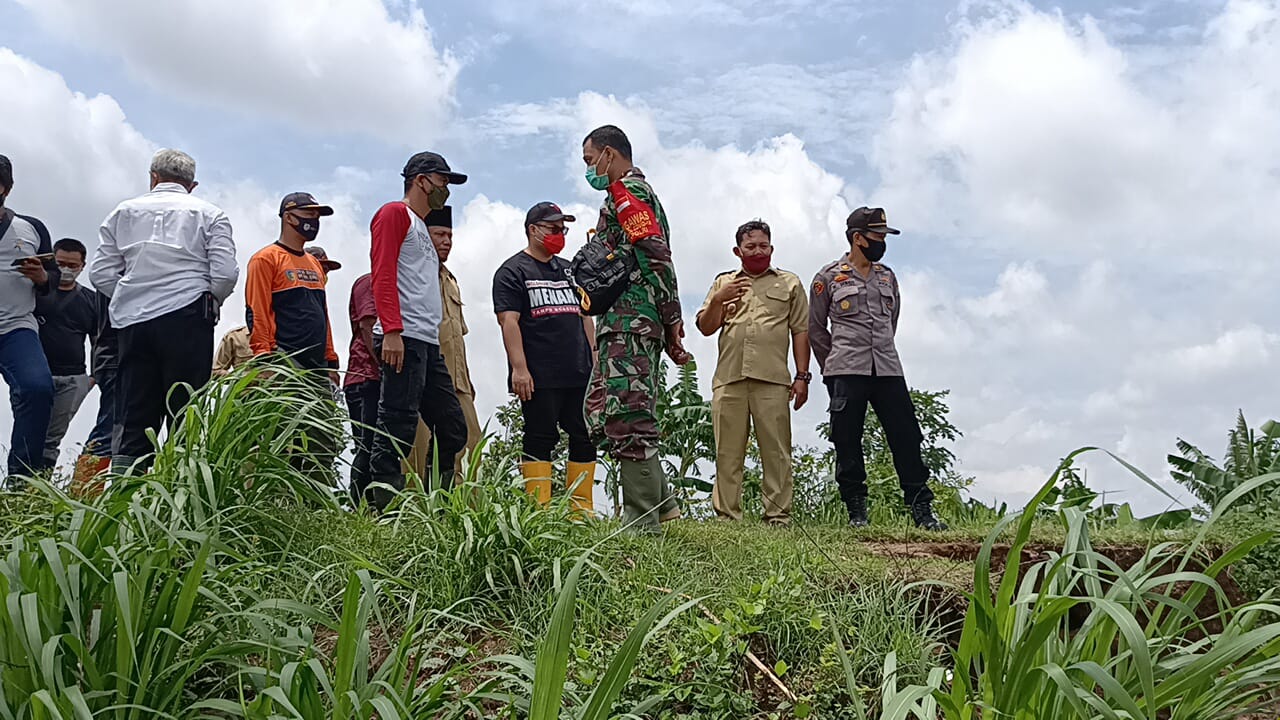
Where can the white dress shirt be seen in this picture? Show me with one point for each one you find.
(160, 252)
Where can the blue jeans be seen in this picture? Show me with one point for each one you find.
(25, 370)
(99, 442)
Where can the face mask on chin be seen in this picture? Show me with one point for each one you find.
(69, 275)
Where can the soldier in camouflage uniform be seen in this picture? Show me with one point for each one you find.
(633, 333)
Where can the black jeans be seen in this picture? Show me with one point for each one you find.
(362, 405)
(421, 388)
(891, 400)
(155, 356)
(549, 411)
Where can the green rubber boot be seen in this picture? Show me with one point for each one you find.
(669, 505)
(641, 493)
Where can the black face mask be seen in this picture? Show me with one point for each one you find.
(308, 228)
(874, 250)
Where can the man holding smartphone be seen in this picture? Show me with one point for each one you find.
(760, 313)
(167, 261)
(27, 269)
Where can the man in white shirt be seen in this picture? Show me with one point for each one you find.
(167, 261)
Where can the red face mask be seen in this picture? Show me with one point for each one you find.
(553, 243)
(756, 264)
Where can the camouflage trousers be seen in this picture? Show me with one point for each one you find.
(622, 397)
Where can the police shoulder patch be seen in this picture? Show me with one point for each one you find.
(819, 287)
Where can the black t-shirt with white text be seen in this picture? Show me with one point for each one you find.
(555, 342)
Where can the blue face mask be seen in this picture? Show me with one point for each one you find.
(598, 181)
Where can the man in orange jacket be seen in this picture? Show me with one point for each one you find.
(286, 310)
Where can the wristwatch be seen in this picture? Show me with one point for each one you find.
(805, 376)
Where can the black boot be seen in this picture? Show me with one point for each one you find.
(858, 513)
(922, 513)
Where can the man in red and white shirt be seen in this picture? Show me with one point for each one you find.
(406, 294)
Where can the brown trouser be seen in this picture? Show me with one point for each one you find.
(735, 409)
(419, 458)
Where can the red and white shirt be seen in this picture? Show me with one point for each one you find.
(406, 275)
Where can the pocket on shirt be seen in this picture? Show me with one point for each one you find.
(886, 304)
(844, 301)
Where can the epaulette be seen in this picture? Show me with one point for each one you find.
(726, 272)
(832, 265)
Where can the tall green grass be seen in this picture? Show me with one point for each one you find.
(1078, 635)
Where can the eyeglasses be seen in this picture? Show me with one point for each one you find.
(558, 229)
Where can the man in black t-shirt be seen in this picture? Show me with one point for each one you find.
(68, 316)
(549, 354)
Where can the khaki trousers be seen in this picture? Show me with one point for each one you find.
(419, 457)
(735, 409)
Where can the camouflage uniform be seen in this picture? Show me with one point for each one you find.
(630, 338)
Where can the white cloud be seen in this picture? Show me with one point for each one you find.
(337, 65)
(1034, 132)
(73, 155)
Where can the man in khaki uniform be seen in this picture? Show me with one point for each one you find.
(233, 351)
(452, 346)
(759, 311)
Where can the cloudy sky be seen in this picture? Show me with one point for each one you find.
(1086, 191)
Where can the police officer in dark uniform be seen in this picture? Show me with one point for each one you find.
(853, 316)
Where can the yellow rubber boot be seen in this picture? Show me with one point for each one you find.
(537, 480)
(581, 480)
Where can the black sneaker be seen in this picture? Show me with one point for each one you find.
(858, 513)
(922, 513)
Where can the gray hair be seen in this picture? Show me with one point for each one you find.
(174, 165)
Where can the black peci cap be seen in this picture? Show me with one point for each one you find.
(440, 218)
(546, 212)
(303, 201)
(425, 163)
(873, 219)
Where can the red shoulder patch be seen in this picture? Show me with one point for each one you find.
(818, 287)
(637, 219)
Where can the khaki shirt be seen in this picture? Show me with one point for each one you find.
(863, 318)
(755, 340)
(233, 351)
(452, 328)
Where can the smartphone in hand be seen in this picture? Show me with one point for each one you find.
(41, 258)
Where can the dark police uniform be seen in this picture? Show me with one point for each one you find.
(852, 322)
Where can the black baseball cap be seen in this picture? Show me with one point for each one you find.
(440, 218)
(546, 212)
(303, 201)
(425, 163)
(318, 253)
(873, 219)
